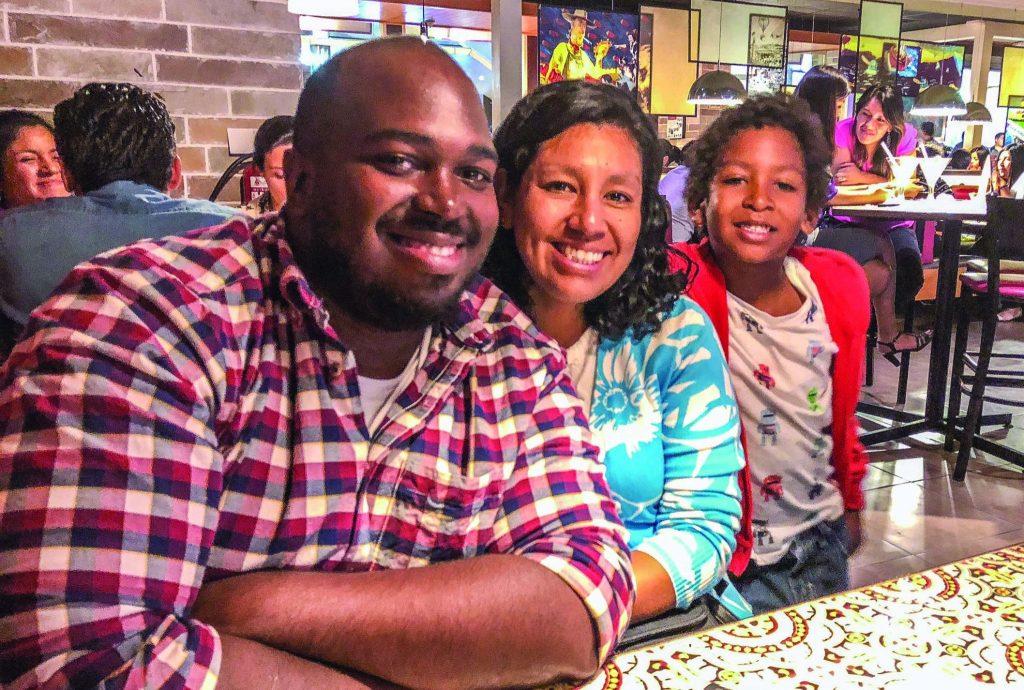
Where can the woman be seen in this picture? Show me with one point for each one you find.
(581, 250)
(886, 249)
(978, 156)
(31, 169)
(273, 140)
(1008, 172)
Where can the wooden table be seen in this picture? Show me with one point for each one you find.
(944, 208)
(957, 626)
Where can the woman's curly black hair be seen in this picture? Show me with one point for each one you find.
(787, 112)
(641, 298)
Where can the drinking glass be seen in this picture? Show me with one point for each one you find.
(903, 172)
(932, 168)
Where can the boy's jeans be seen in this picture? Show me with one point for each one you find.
(815, 566)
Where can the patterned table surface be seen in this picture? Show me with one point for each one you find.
(957, 626)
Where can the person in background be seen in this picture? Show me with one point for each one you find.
(979, 154)
(30, 168)
(1008, 172)
(825, 89)
(998, 143)
(580, 248)
(927, 137)
(793, 323)
(959, 160)
(273, 140)
(308, 448)
(117, 145)
(672, 186)
(859, 159)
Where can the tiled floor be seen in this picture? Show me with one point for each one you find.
(916, 515)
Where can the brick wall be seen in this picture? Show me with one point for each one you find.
(217, 63)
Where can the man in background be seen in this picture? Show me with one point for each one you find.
(117, 145)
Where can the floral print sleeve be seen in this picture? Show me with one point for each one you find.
(666, 419)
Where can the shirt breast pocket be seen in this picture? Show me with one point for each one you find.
(441, 515)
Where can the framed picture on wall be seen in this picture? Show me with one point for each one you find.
(767, 41)
(575, 43)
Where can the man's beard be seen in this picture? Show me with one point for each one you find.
(366, 299)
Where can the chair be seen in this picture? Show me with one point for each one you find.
(985, 287)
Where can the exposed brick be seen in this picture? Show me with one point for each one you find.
(200, 187)
(95, 65)
(15, 61)
(193, 100)
(40, 5)
(193, 159)
(239, 43)
(174, 68)
(265, 103)
(218, 159)
(215, 130)
(249, 14)
(97, 33)
(140, 9)
(33, 93)
(180, 130)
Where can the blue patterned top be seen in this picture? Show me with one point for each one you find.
(664, 415)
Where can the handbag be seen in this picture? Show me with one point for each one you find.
(704, 613)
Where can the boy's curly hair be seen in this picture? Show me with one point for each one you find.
(787, 112)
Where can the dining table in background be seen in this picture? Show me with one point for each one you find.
(957, 626)
(954, 212)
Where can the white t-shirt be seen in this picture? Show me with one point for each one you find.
(376, 395)
(581, 360)
(781, 369)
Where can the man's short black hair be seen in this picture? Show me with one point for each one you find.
(928, 128)
(110, 132)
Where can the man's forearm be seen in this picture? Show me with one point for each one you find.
(491, 621)
(247, 664)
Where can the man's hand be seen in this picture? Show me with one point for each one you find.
(854, 527)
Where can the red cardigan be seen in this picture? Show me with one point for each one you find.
(846, 303)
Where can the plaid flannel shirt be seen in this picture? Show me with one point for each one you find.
(181, 410)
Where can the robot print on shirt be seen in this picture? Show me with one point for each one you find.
(813, 404)
(762, 533)
(819, 448)
(768, 427)
(750, 323)
(771, 488)
(763, 375)
(814, 348)
(812, 312)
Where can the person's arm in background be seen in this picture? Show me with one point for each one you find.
(699, 512)
(548, 602)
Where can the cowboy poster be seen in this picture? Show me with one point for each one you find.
(586, 44)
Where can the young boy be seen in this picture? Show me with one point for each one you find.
(792, 322)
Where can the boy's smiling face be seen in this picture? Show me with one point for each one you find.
(757, 202)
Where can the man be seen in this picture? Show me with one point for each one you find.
(927, 137)
(325, 401)
(998, 144)
(569, 59)
(117, 145)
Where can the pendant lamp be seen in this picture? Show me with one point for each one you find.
(977, 114)
(717, 88)
(939, 100)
